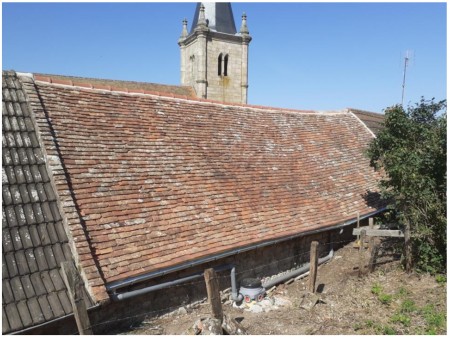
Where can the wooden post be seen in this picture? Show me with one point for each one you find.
(357, 226)
(361, 253)
(74, 286)
(313, 262)
(371, 239)
(371, 247)
(408, 248)
(212, 287)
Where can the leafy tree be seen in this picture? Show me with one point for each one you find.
(411, 150)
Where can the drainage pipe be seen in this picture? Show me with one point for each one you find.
(304, 268)
(125, 295)
(237, 297)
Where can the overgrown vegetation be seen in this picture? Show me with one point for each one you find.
(411, 150)
(406, 316)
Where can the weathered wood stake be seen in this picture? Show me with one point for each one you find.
(408, 248)
(212, 287)
(372, 238)
(371, 247)
(361, 252)
(74, 285)
(314, 259)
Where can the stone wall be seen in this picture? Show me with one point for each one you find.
(224, 88)
(221, 88)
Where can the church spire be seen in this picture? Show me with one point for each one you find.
(218, 17)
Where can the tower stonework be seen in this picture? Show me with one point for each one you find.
(214, 56)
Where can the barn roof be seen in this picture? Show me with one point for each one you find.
(150, 181)
(34, 241)
(374, 121)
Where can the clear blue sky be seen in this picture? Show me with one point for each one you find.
(303, 55)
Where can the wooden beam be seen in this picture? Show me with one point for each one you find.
(314, 259)
(378, 232)
(75, 286)
(212, 288)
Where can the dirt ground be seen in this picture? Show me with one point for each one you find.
(386, 301)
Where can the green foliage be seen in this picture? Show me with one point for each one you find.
(441, 279)
(407, 306)
(387, 330)
(376, 289)
(402, 292)
(401, 318)
(385, 298)
(407, 317)
(382, 297)
(411, 152)
(434, 319)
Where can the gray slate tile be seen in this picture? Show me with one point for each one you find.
(7, 241)
(21, 262)
(26, 237)
(5, 324)
(24, 313)
(13, 316)
(45, 307)
(27, 286)
(38, 284)
(11, 264)
(46, 279)
(31, 260)
(35, 311)
(17, 289)
(65, 302)
(55, 303)
(8, 296)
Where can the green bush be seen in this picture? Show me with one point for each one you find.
(411, 150)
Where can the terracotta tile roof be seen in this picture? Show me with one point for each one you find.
(159, 181)
(373, 121)
(127, 86)
(34, 241)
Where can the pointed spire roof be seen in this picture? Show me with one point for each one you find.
(218, 15)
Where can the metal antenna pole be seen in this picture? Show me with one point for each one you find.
(404, 76)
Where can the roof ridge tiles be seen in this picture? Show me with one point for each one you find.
(49, 79)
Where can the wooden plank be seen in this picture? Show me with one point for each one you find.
(378, 232)
(314, 259)
(212, 288)
(74, 285)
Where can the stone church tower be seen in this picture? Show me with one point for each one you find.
(214, 56)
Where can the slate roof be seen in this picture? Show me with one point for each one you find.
(158, 181)
(373, 121)
(219, 16)
(34, 241)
